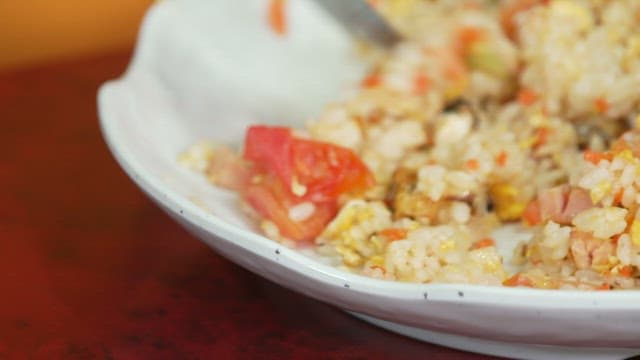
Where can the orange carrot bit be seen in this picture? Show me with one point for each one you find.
(531, 214)
(619, 195)
(472, 164)
(372, 80)
(277, 16)
(468, 36)
(595, 157)
(542, 136)
(482, 243)
(393, 234)
(421, 83)
(471, 5)
(601, 105)
(527, 97)
(518, 280)
(501, 158)
(603, 287)
(545, 110)
(374, 3)
(384, 271)
(626, 271)
(615, 238)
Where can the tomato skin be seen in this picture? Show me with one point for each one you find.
(324, 170)
(327, 170)
(287, 171)
(269, 148)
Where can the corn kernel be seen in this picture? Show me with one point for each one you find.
(505, 199)
(625, 154)
(349, 257)
(573, 10)
(527, 143)
(377, 260)
(600, 191)
(448, 245)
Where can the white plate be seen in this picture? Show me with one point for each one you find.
(207, 69)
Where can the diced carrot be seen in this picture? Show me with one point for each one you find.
(601, 105)
(384, 271)
(527, 97)
(468, 36)
(518, 280)
(482, 243)
(509, 13)
(453, 66)
(472, 164)
(501, 158)
(531, 214)
(615, 238)
(471, 5)
(421, 83)
(541, 136)
(618, 197)
(595, 157)
(626, 271)
(604, 287)
(277, 16)
(374, 3)
(393, 234)
(372, 80)
(545, 110)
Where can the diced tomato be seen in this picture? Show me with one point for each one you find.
(327, 170)
(323, 170)
(272, 201)
(393, 234)
(287, 171)
(269, 148)
(531, 214)
(277, 16)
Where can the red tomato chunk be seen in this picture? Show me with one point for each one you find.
(288, 171)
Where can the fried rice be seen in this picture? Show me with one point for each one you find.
(489, 113)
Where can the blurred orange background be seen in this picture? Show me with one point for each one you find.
(39, 31)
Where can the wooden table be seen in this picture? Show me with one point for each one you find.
(90, 268)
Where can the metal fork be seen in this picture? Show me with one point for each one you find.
(362, 21)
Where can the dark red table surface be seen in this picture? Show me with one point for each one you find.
(90, 268)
